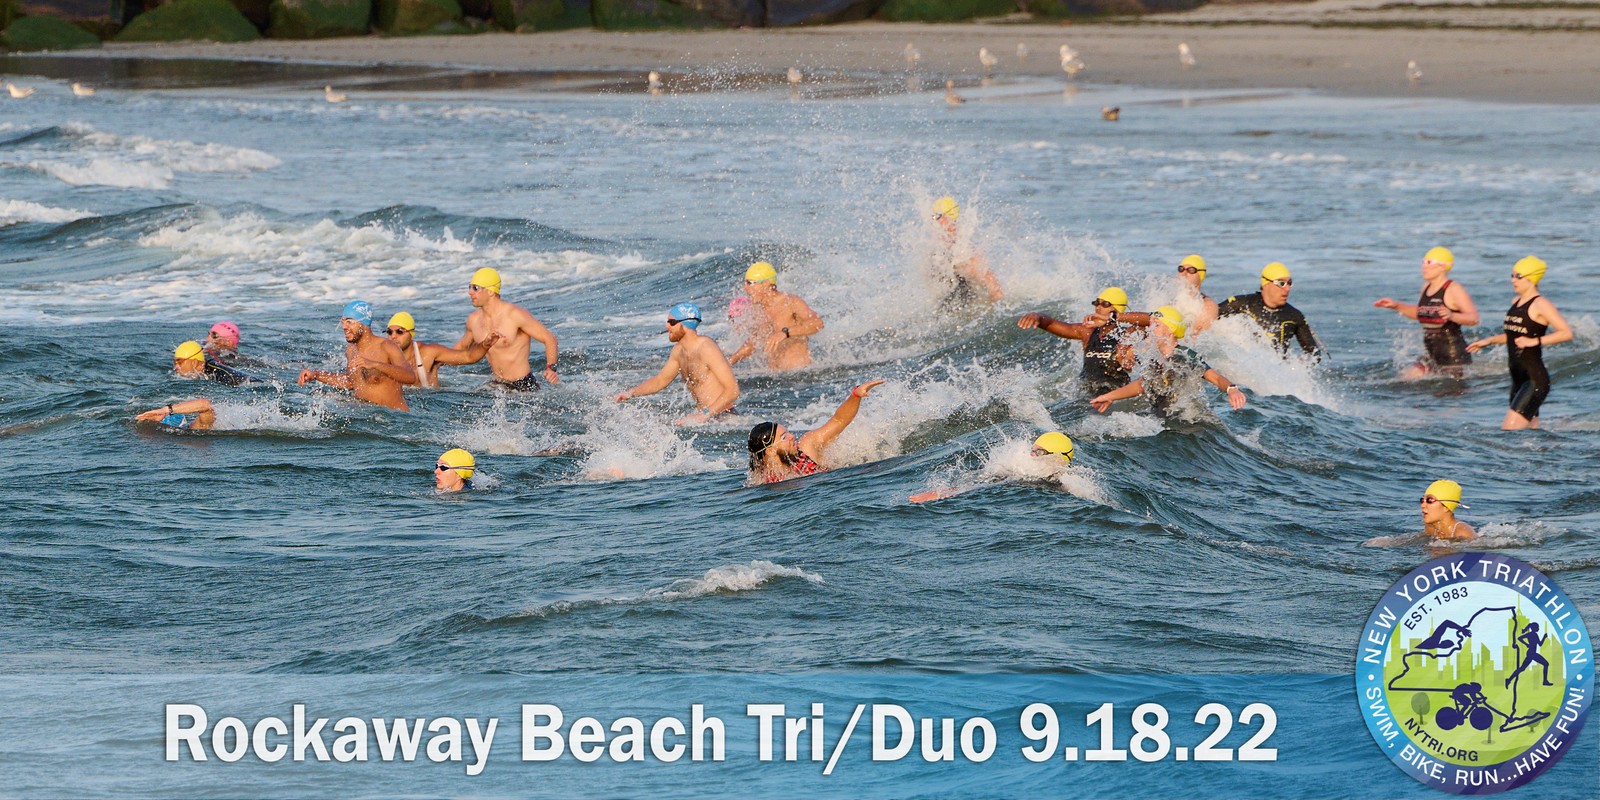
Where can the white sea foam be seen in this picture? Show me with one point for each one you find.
(728, 579)
(632, 441)
(132, 161)
(107, 172)
(13, 212)
(267, 413)
(1119, 425)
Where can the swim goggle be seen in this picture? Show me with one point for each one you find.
(1518, 276)
(473, 287)
(397, 331)
(1282, 283)
(671, 321)
(1103, 304)
(1188, 270)
(1429, 500)
(445, 468)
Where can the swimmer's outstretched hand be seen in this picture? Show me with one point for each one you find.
(550, 374)
(623, 396)
(153, 415)
(306, 376)
(1385, 303)
(1236, 397)
(1102, 404)
(864, 389)
(1478, 345)
(1032, 319)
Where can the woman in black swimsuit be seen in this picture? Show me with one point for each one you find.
(1442, 309)
(1530, 317)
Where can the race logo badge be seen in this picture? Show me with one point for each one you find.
(1474, 673)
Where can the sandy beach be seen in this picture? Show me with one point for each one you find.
(1357, 47)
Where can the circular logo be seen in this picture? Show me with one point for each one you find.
(1474, 673)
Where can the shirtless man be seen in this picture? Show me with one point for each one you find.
(376, 368)
(782, 324)
(1192, 273)
(699, 361)
(508, 357)
(427, 357)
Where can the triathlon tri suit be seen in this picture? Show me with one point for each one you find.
(1101, 370)
(1167, 379)
(801, 466)
(1530, 381)
(1440, 337)
(1281, 324)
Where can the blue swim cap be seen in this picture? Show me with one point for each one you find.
(360, 311)
(687, 313)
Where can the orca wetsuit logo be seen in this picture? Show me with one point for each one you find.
(1474, 673)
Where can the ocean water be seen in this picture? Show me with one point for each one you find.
(302, 536)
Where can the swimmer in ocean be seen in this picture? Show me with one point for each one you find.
(1439, 505)
(453, 471)
(1270, 309)
(1100, 332)
(970, 279)
(1054, 450)
(1192, 271)
(426, 357)
(782, 322)
(1166, 378)
(375, 369)
(189, 415)
(1442, 309)
(1527, 325)
(699, 361)
(222, 342)
(777, 455)
(190, 359)
(508, 356)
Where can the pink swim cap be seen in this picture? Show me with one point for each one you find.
(738, 307)
(227, 332)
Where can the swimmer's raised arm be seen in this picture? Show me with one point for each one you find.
(1049, 324)
(1103, 402)
(1235, 395)
(814, 442)
(662, 380)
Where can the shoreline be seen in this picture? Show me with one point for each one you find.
(1548, 65)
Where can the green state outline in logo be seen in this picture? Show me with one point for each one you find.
(1474, 673)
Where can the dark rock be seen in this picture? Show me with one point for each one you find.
(733, 13)
(259, 12)
(640, 15)
(819, 12)
(477, 9)
(319, 19)
(944, 10)
(402, 17)
(190, 20)
(536, 14)
(100, 17)
(29, 34)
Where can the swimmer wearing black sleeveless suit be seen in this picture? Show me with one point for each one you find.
(1527, 326)
(1442, 309)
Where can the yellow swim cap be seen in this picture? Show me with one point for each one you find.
(761, 272)
(487, 278)
(1446, 492)
(1173, 319)
(1441, 255)
(1057, 443)
(462, 460)
(1531, 268)
(402, 320)
(1115, 296)
(187, 351)
(946, 207)
(1275, 271)
(1194, 261)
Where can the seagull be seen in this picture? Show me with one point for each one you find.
(1110, 113)
(1185, 55)
(795, 77)
(655, 82)
(988, 60)
(950, 96)
(332, 96)
(18, 92)
(912, 55)
(1022, 51)
(1070, 63)
(1413, 72)
(81, 90)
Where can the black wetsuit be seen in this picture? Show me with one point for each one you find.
(1441, 338)
(1167, 379)
(963, 292)
(1530, 381)
(1101, 370)
(1281, 324)
(225, 375)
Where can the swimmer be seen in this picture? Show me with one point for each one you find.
(1439, 505)
(1192, 271)
(776, 455)
(1053, 450)
(222, 342)
(189, 415)
(699, 361)
(1271, 310)
(1526, 323)
(969, 278)
(1100, 333)
(1166, 377)
(782, 322)
(375, 368)
(454, 470)
(426, 357)
(1442, 309)
(508, 356)
(190, 359)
